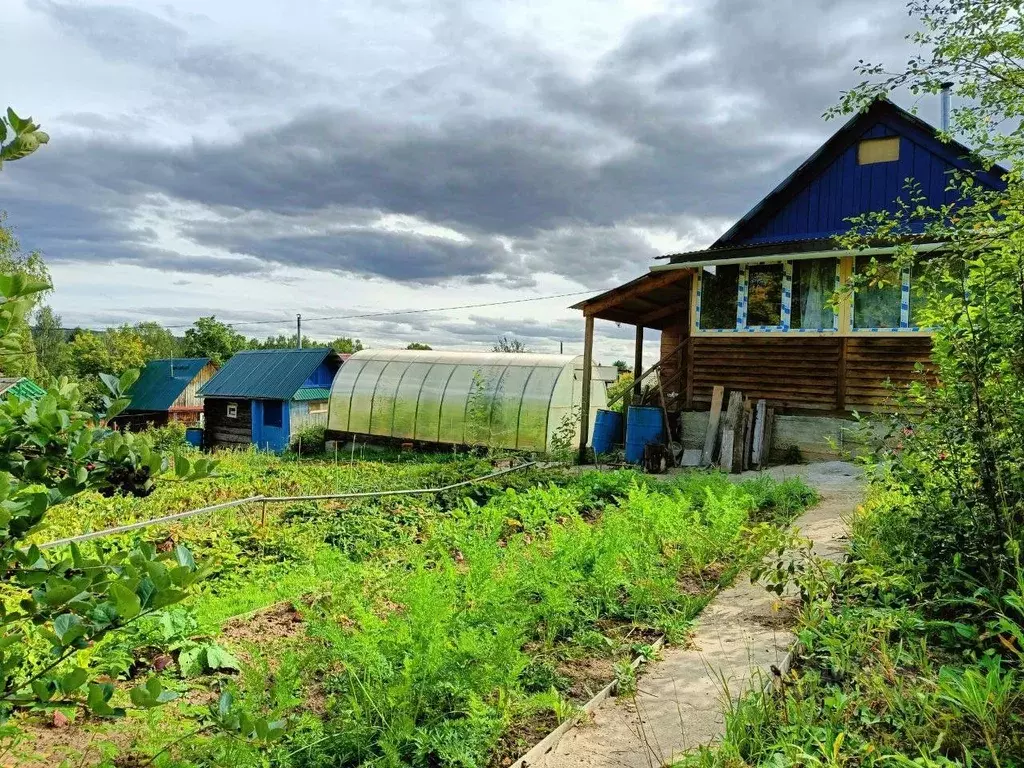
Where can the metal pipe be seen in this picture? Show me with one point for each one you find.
(276, 499)
(298, 330)
(944, 99)
(778, 257)
(145, 523)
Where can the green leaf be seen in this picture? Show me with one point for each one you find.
(220, 658)
(128, 378)
(184, 557)
(182, 466)
(111, 383)
(65, 624)
(43, 689)
(192, 662)
(3, 129)
(99, 695)
(73, 680)
(16, 122)
(127, 602)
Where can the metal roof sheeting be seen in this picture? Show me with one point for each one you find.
(266, 374)
(312, 393)
(162, 382)
(26, 389)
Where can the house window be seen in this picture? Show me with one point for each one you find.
(317, 406)
(764, 292)
(232, 412)
(272, 413)
(719, 290)
(880, 304)
(871, 151)
(814, 282)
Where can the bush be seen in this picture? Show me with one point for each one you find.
(169, 437)
(310, 440)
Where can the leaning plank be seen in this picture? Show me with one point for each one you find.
(758, 439)
(729, 429)
(748, 432)
(711, 438)
(766, 448)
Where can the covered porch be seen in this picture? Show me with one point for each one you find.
(656, 300)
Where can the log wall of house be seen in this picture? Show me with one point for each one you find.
(225, 432)
(673, 364)
(805, 373)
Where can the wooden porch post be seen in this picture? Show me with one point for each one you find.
(588, 364)
(638, 364)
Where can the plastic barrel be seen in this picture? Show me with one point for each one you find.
(607, 428)
(194, 436)
(644, 425)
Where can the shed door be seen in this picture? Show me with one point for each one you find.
(270, 425)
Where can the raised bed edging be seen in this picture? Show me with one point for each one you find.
(550, 741)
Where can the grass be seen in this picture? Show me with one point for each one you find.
(894, 670)
(443, 630)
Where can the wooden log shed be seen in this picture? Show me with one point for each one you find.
(754, 313)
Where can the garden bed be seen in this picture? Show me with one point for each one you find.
(447, 630)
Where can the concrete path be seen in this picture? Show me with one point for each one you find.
(739, 636)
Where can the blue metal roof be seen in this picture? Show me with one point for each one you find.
(818, 198)
(162, 381)
(266, 374)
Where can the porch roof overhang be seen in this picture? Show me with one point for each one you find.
(653, 300)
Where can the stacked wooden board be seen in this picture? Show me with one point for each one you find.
(742, 437)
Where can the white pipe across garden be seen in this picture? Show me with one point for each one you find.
(275, 500)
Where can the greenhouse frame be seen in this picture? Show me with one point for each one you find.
(499, 400)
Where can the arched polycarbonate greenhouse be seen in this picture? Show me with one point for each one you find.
(499, 400)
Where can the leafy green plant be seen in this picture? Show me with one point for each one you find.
(51, 450)
(19, 137)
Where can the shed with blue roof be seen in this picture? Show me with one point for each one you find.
(264, 397)
(167, 391)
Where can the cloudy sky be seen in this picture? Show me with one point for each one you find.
(261, 158)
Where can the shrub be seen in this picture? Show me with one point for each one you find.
(310, 440)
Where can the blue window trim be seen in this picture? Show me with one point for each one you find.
(786, 313)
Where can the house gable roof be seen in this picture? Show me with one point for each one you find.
(267, 374)
(162, 382)
(815, 200)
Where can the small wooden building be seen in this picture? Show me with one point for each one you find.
(751, 312)
(264, 397)
(167, 391)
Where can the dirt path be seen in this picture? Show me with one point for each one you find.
(740, 635)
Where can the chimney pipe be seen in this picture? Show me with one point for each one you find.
(944, 108)
(298, 330)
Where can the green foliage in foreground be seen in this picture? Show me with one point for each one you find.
(430, 626)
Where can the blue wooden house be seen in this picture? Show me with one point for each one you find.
(751, 312)
(264, 397)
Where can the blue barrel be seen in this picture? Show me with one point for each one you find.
(194, 436)
(607, 428)
(644, 425)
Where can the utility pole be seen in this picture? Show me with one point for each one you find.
(561, 347)
(298, 329)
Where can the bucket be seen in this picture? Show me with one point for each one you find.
(644, 425)
(194, 436)
(607, 430)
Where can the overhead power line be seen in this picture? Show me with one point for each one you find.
(389, 313)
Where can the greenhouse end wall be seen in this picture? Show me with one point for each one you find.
(499, 400)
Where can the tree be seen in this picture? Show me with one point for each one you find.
(22, 137)
(208, 337)
(419, 345)
(49, 339)
(509, 344)
(345, 345)
(621, 367)
(958, 449)
(12, 260)
(158, 341)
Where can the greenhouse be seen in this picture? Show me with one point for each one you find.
(500, 400)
